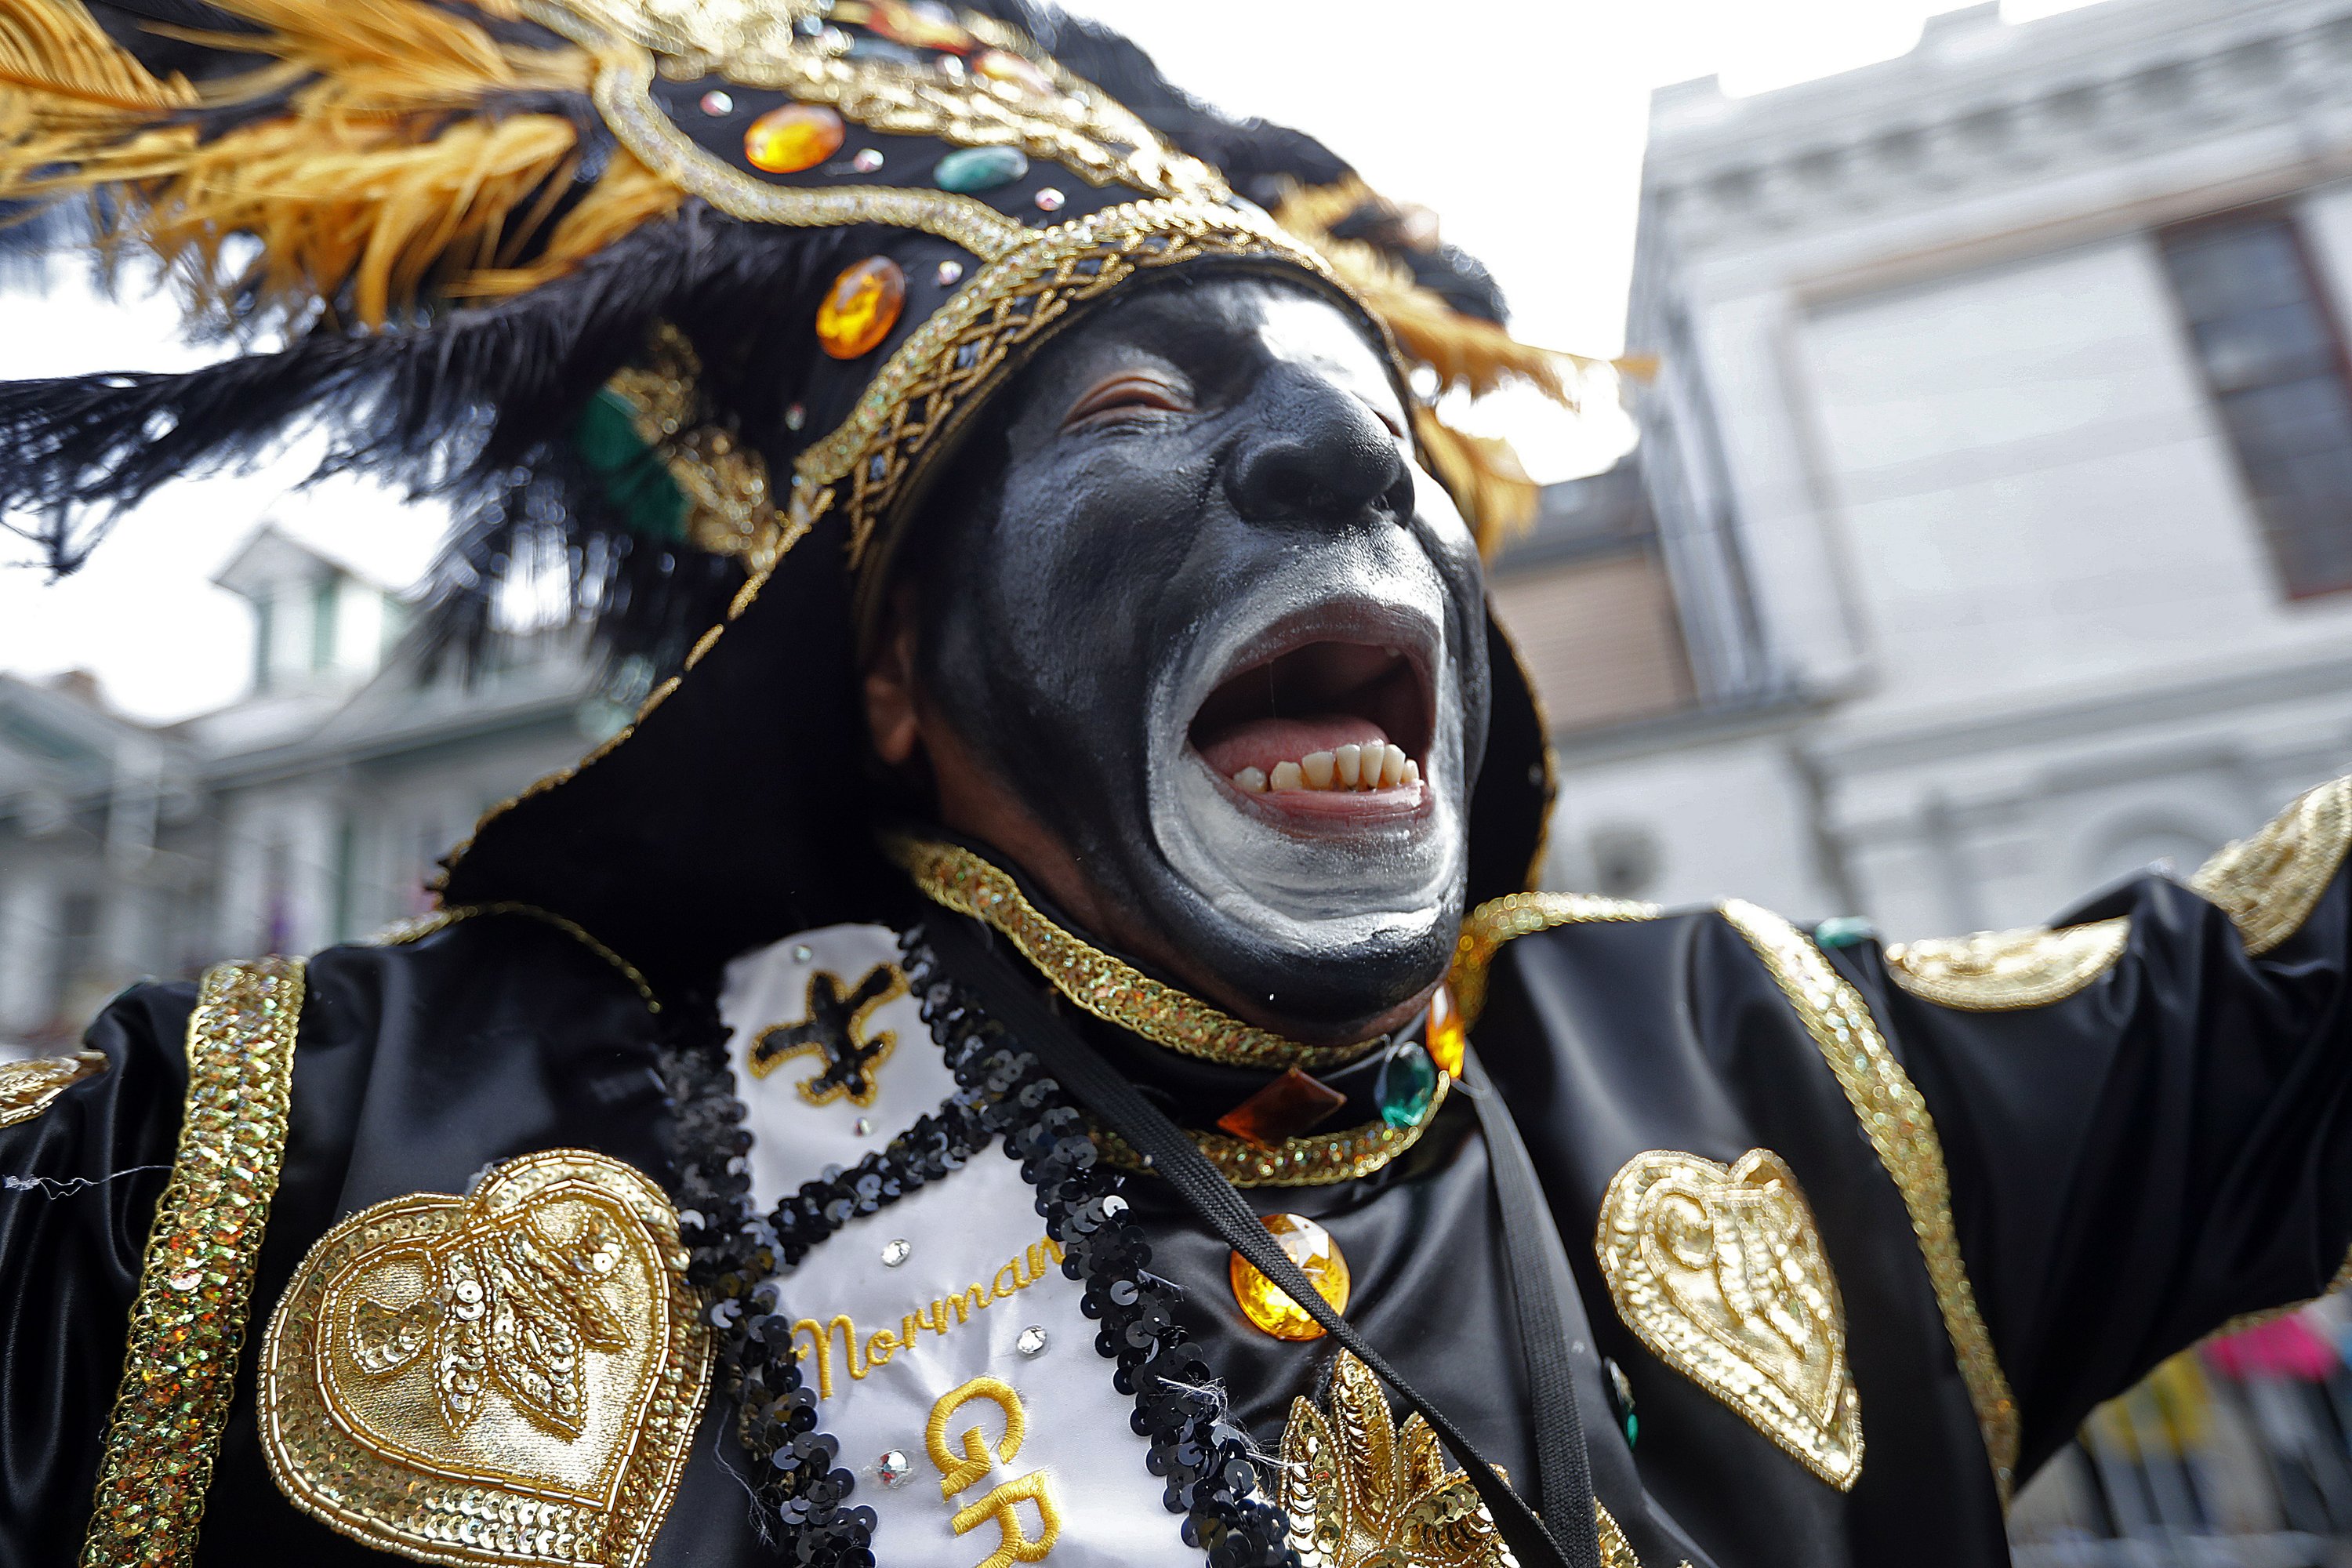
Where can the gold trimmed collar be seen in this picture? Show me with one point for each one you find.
(1097, 982)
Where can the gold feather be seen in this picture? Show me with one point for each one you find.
(375, 168)
(56, 47)
(1484, 475)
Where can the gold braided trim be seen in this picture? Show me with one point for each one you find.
(2269, 884)
(1499, 921)
(1893, 1113)
(2001, 971)
(755, 42)
(1110, 988)
(29, 1088)
(921, 394)
(1310, 1160)
(402, 932)
(187, 1322)
(624, 75)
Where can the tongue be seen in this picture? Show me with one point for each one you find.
(1262, 742)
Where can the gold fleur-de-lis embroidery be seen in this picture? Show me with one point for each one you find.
(835, 1032)
(1363, 1493)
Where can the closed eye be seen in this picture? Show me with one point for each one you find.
(1126, 395)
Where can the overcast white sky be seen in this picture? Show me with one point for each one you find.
(1521, 122)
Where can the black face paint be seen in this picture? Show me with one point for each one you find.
(1230, 555)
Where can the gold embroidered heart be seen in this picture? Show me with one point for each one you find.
(1720, 1271)
(512, 1377)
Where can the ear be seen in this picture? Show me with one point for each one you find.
(892, 723)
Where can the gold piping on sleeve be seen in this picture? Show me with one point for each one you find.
(400, 932)
(2003, 970)
(1499, 921)
(2269, 884)
(30, 1087)
(1894, 1116)
(1107, 986)
(195, 1281)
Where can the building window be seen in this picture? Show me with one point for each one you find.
(2273, 360)
(265, 631)
(325, 598)
(1586, 599)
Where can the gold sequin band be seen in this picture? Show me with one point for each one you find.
(187, 1322)
(2269, 884)
(29, 1088)
(1896, 1118)
(2001, 971)
(402, 932)
(1310, 1160)
(1107, 987)
(1499, 921)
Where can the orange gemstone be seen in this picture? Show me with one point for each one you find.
(1317, 1256)
(1284, 1108)
(998, 65)
(797, 136)
(861, 307)
(1447, 1037)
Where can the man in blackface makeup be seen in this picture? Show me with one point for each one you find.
(1036, 1046)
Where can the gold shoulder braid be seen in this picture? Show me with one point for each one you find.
(1361, 1493)
(1106, 986)
(1719, 1270)
(2001, 971)
(187, 1322)
(402, 932)
(1499, 921)
(1895, 1119)
(512, 1377)
(2269, 884)
(29, 1088)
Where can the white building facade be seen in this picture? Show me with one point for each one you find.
(1999, 470)
(310, 811)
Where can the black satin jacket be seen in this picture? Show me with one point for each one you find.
(2108, 1176)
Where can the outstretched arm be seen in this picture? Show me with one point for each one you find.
(2146, 1112)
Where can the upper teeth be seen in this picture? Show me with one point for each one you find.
(1376, 764)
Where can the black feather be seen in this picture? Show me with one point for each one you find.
(475, 407)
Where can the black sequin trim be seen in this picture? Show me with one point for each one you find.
(1202, 1456)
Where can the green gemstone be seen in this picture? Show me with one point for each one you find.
(1843, 930)
(1407, 1080)
(974, 169)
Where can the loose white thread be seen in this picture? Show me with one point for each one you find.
(67, 1186)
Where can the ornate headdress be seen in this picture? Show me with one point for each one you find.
(554, 258)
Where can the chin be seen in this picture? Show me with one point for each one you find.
(1307, 791)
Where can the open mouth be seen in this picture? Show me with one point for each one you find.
(1322, 726)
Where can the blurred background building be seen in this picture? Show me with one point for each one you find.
(1987, 540)
(1987, 534)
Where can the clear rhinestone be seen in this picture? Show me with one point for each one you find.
(802, 951)
(866, 161)
(897, 1251)
(951, 273)
(862, 1125)
(718, 103)
(893, 1468)
(1049, 200)
(1032, 1340)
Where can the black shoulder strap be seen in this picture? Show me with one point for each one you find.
(1570, 1539)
